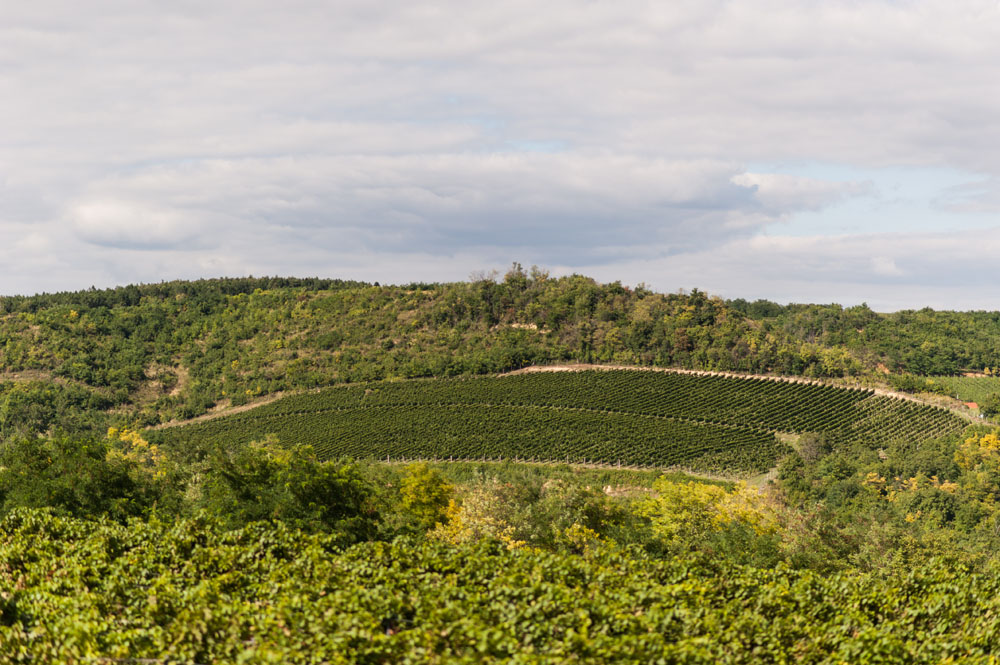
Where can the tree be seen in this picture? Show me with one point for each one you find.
(425, 494)
(990, 406)
(263, 481)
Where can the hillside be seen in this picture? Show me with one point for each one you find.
(196, 471)
(142, 355)
(924, 342)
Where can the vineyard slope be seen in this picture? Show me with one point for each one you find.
(714, 423)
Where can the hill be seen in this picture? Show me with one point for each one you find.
(153, 353)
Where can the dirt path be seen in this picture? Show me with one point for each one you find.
(580, 367)
(43, 376)
(38, 375)
(31, 375)
(219, 412)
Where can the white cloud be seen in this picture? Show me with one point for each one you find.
(544, 204)
(888, 271)
(243, 136)
(885, 266)
(135, 225)
(783, 194)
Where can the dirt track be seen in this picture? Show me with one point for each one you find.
(579, 367)
(229, 410)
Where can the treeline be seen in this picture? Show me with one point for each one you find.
(924, 342)
(831, 507)
(197, 290)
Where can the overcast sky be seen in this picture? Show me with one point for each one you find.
(796, 150)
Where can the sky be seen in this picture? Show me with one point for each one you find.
(794, 150)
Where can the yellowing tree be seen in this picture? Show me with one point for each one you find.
(479, 515)
(129, 444)
(426, 494)
(684, 512)
(979, 453)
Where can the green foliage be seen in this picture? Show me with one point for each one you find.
(968, 388)
(463, 473)
(908, 383)
(470, 433)
(261, 481)
(540, 512)
(923, 342)
(191, 592)
(264, 481)
(901, 505)
(174, 350)
(990, 406)
(71, 476)
(737, 522)
(877, 542)
(31, 407)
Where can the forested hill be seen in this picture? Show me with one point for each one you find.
(146, 354)
(925, 341)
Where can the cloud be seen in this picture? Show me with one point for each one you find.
(543, 208)
(550, 205)
(979, 196)
(150, 142)
(135, 225)
(885, 267)
(874, 83)
(889, 271)
(781, 194)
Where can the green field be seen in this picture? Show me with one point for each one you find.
(707, 423)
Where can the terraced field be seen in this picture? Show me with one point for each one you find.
(663, 419)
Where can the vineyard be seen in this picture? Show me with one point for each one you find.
(191, 592)
(969, 388)
(701, 422)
